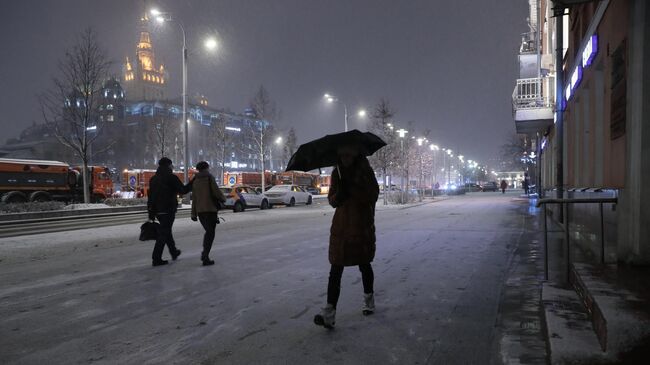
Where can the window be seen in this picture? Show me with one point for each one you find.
(109, 107)
(109, 118)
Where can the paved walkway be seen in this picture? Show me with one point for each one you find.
(90, 296)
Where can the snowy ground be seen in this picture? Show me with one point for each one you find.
(91, 296)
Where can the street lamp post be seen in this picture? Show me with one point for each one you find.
(433, 148)
(449, 167)
(211, 44)
(402, 133)
(461, 170)
(166, 17)
(333, 99)
(420, 193)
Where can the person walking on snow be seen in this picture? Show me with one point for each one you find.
(206, 198)
(162, 203)
(504, 186)
(353, 193)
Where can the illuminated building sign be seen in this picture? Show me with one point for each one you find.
(588, 55)
(234, 129)
(590, 51)
(576, 76)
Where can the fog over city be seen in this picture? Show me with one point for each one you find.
(447, 65)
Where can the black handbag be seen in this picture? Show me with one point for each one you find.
(149, 231)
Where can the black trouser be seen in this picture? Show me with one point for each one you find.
(164, 235)
(334, 284)
(209, 223)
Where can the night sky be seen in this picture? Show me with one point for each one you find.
(450, 66)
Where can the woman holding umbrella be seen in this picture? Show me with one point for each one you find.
(353, 193)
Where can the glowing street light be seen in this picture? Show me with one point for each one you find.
(332, 99)
(278, 140)
(211, 44)
(361, 113)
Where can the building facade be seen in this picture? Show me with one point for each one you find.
(138, 123)
(597, 143)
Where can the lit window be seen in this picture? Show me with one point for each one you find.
(109, 117)
(109, 107)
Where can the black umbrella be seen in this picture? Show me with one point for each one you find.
(322, 152)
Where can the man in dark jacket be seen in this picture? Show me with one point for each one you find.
(162, 203)
(206, 198)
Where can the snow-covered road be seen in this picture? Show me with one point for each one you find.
(91, 296)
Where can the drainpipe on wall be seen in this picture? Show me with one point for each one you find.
(558, 12)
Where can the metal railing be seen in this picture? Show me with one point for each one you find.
(564, 205)
(533, 93)
(528, 43)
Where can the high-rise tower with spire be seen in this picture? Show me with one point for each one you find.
(143, 78)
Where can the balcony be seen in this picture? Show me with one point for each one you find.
(533, 102)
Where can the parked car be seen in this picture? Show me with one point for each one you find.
(266, 188)
(288, 195)
(472, 187)
(490, 186)
(312, 190)
(241, 197)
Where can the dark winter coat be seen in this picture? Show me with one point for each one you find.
(205, 193)
(164, 188)
(353, 193)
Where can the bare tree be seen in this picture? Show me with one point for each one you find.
(381, 125)
(71, 107)
(222, 141)
(513, 153)
(265, 113)
(162, 135)
(290, 145)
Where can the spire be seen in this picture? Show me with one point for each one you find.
(144, 78)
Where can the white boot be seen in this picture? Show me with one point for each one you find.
(327, 317)
(368, 304)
